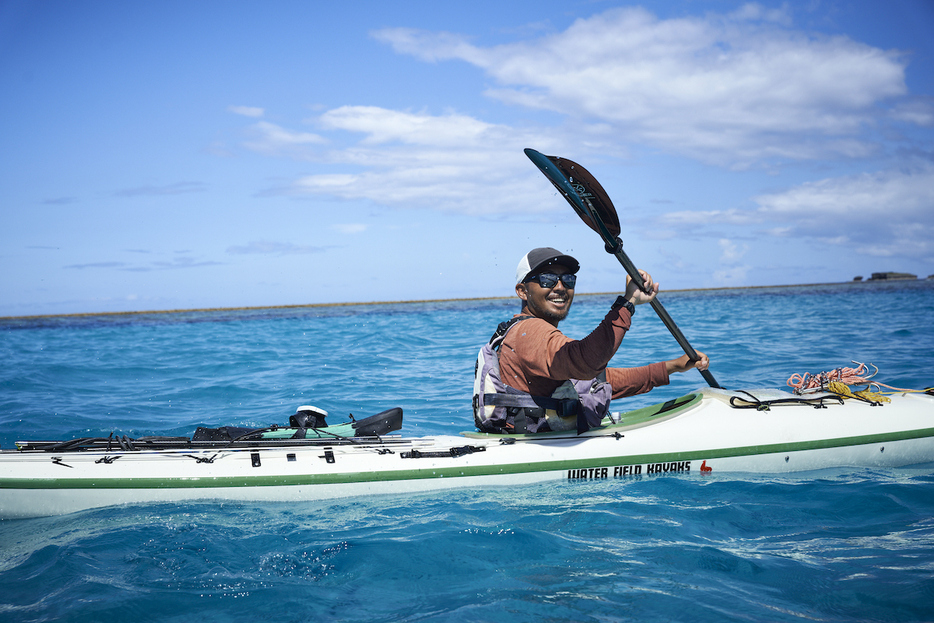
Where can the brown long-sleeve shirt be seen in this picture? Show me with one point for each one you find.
(536, 357)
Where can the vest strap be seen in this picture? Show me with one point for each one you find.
(563, 407)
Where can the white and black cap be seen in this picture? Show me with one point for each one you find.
(542, 256)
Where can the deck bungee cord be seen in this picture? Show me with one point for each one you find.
(753, 402)
(367, 433)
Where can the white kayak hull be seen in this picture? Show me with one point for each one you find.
(700, 435)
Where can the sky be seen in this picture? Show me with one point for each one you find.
(187, 155)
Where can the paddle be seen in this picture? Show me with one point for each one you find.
(593, 205)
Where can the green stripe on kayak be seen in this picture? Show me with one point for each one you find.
(455, 471)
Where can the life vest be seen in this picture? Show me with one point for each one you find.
(498, 408)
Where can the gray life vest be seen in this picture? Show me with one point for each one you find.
(498, 408)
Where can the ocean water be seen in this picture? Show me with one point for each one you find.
(841, 545)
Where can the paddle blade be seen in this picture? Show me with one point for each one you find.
(590, 190)
(591, 203)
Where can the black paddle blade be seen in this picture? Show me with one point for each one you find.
(588, 190)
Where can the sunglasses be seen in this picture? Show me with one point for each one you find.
(550, 280)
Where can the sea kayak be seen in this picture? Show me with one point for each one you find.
(702, 434)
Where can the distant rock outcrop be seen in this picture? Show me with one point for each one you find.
(890, 276)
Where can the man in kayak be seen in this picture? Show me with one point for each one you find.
(533, 378)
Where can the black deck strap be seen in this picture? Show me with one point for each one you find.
(737, 402)
(244, 434)
(674, 403)
(72, 444)
(462, 450)
(872, 403)
(157, 439)
(202, 459)
(451, 453)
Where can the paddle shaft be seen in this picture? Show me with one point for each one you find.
(659, 309)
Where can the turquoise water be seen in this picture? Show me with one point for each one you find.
(844, 545)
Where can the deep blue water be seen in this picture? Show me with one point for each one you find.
(846, 545)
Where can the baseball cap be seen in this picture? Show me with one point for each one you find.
(536, 258)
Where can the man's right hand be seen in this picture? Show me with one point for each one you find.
(637, 296)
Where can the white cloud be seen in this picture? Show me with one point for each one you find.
(692, 218)
(730, 252)
(884, 213)
(739, 89)
(916, 110)
(381, 125)
(731, 276)
(877, 196)
(754, 12)
(247, 111)
(451, 162)
(733, 90)
(271, 139)
(731, 270)
(428, 46)
(173, 264)
(888, 213)
(267, 247)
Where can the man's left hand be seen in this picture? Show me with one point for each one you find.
(684, 363)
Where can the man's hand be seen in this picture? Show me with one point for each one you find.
(636, 296)
(683, 363)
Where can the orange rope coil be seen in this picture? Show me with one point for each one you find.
(836, 381)
(849, 376)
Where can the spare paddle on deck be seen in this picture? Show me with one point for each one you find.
(593, 205)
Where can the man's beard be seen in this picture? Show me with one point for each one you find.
(545, 314)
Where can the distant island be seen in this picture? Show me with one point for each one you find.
(889, 276)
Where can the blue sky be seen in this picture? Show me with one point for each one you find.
(178, 155)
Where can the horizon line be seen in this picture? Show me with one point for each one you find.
(415, 301)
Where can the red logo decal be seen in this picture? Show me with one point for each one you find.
(704, 469)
